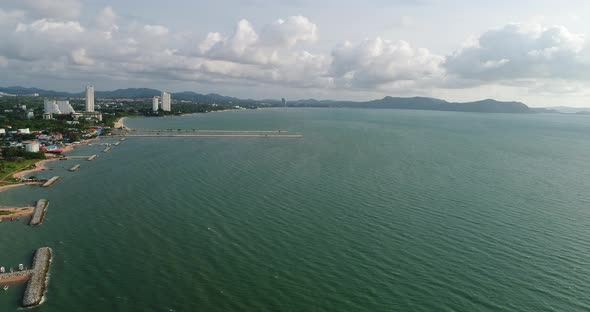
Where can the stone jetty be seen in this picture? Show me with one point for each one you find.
(117, 144)
(75, 168)
(39, 212)
(51, 181)
(38, 282)
(93, 157)
(37, 277)
(106, 150)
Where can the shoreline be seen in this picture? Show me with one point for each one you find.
(40, 166)
(17, 212)
(120, 123)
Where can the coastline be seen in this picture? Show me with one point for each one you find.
(40, 166)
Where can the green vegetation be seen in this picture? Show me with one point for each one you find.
(8, 168)
(6, 212)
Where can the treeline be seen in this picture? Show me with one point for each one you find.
(15, 153)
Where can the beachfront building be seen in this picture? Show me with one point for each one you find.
(89, 98)
(166, 102)
(155, 103)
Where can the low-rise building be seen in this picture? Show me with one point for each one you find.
(32, 146)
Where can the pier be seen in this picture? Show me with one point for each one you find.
(117, 144)
(75, 168)
(93, 157)
(37, 277)
(51, 181)
(208, 133)
(106, 150)
(39, 212)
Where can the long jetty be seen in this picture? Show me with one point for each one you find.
(75, 168)
(51, 181)
(39, 212)
(209, 133)
(37, 277)
(285, 136)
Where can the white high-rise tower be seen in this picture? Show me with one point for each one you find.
(166, 102)
(89, 98)
(155, 103)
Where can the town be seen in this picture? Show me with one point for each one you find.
(34, 127)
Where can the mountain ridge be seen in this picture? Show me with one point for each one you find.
(387, 102)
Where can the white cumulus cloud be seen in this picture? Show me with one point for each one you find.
(375, 62)
(520, 51)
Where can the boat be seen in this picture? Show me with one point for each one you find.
(21, 267)
(5, 287)
(2, 269)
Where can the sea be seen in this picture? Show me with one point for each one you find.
(372, 210)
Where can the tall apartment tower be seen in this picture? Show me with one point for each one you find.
(166, 102)
(89, 98)
(155, 103)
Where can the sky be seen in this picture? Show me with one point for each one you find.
(533, 51)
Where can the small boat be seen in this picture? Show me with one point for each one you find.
(21, 267)
(2, 269)
(5, 287)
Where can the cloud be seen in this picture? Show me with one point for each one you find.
(375, 62)
(51, 27)
(519, 51)
(58, 9)
(80, 57)
(271, 46)
(106, 20)
(38, 41)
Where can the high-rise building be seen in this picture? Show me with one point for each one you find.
(166, 101)
(57, 107)
(89, 98)
(65, 107)
(155, 103)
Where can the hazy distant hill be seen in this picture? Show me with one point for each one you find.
(129, 93)
(423, 103)
(419, 103)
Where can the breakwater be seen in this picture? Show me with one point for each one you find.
(75, 168)
(39, 212)
(38, 282)
(51, 181)
(106, 150)
(93, 157)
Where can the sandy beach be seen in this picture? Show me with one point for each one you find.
(120, 123)
(17, 212)
(39, 166)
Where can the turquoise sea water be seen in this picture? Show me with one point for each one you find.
(373, 210)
